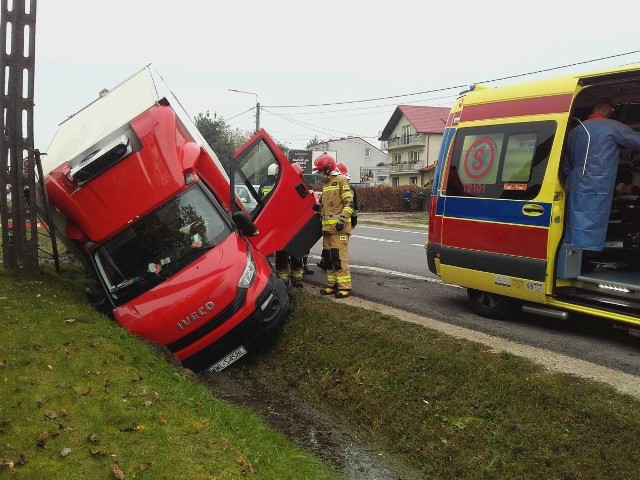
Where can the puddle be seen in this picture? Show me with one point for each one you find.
(304, 426)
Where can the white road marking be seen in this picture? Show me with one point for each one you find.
(391, 272)
(401, 230)
(376, 239)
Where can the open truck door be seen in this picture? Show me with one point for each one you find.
(280, 204)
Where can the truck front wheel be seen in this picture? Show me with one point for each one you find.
(489, 304)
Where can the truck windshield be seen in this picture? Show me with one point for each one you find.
(160, 244)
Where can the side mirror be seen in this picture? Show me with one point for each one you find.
(244, 224)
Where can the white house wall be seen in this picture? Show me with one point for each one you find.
(351, 151)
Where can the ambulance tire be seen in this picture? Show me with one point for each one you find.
(489, 305)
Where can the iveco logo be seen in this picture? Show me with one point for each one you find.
(193, 317)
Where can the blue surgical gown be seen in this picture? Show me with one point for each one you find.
(590, 196)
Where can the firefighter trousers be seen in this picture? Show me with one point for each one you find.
(335, 254)
(288, 268)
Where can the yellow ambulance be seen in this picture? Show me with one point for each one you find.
(499, 207)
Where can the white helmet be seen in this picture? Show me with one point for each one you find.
(272, 169)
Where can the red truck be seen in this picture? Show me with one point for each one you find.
(147, 207)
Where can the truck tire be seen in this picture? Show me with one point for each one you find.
(489, 305)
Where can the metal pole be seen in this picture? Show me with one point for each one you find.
(257, 115)
(257, 105)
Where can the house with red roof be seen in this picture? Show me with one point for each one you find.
(412, 138)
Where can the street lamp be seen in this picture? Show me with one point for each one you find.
(257, 105)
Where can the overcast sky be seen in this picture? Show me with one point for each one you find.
(329, 53)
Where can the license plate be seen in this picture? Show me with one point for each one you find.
(228, 360)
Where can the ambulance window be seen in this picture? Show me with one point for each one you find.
(500, 161)
(520, 150)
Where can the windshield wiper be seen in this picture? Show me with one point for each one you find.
(126, 284)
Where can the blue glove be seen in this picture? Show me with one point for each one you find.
(340, 225)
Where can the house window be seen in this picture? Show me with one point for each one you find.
(397, 158)
(414, 157)
(413, 180)
(396, 181)
(367, 152)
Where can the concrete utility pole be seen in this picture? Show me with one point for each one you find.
(17, 158)
(257, 105)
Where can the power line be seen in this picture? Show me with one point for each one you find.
(455, 87)
(308, 125)
(241, 113)
(448, 97)
(329, 132)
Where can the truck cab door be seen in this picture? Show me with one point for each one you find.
(280, 205)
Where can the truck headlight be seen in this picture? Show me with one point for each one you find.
(249, 272)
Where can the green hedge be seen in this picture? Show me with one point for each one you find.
(384, 198)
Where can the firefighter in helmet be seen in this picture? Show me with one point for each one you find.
(267, 185)
(354, 216)
(335, 208)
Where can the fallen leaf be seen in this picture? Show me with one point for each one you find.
(62, 426)
(42, 439)
(163, 420)
(86, 392)
(145, 466)
(50, 415)
(65, 451)
(97, 453)
(148, 403)
(92, 437)
(117, 471)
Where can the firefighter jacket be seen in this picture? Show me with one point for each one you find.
(336, 204)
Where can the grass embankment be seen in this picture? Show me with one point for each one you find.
(451, 408)
(82, 398)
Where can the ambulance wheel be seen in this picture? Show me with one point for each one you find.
(489, 304)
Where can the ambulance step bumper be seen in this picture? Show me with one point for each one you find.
(546, 312)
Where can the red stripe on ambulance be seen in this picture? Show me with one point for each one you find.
(516, 108)
(507, 239)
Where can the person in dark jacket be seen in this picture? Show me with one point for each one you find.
(421, 196)
(406, 200)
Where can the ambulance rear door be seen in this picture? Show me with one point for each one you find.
(280, 208)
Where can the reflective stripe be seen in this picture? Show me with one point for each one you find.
(328, 217)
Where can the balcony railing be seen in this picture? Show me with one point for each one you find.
(404, 167)
(406, 141)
